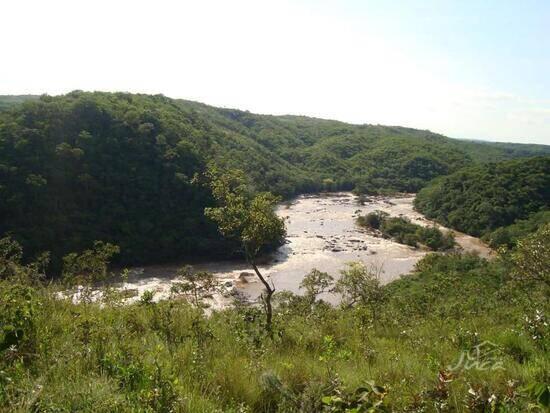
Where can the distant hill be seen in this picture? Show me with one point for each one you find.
(511, 150)
(366, 157)
(118, 167)
(7, 101)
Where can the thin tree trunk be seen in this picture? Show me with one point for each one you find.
(269, 290)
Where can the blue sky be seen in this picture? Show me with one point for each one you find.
(498, 44)
(467, 69)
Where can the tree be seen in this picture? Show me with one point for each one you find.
(531, 257)
(248, 218)
(316, 283)
(11, 255)
(373, 220)
(88, 267)
(19, 300)
(194, 285)
(360, 285)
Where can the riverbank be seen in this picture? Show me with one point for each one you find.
(322, 234)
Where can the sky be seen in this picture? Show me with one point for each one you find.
(467, 68)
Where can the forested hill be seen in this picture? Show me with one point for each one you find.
(511, 198)
(367, 157)
(118, 167)
(295, 154)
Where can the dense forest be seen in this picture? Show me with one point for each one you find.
(123, 168)
(500, 201)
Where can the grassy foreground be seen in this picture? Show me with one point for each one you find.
(402, 355)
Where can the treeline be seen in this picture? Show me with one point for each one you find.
(500, 201)
(8, 101)
(121, 168)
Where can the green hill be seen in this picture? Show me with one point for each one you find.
(483, 198)
(119, 167)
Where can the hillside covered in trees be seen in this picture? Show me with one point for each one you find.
(500, 201)
(121, 167)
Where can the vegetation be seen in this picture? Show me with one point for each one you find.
(480, 199)
(119, 168)
(531, 258)
(193, 286)
(116, 168)
(404, 231)
(399, 347)
(248, 218)
(154, 178)
(316, 283)
(509, 236)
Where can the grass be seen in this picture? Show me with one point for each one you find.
(169, 357)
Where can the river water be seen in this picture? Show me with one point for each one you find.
(322, 234)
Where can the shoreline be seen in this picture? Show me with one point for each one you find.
(321, 233)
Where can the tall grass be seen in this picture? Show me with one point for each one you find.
(168, 356)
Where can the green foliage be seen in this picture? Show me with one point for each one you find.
(120, 167)
(480, 199)
(360, 285)
(11, 255)
(509, 236)
(9, 101)
(194, 285)
(540, 392)
(90, 266)
(169, 356)
(316, 283)
(18, 299)
(115, 167)
(404, 231)
(372, 220)
(364, 399)
(249, 219)
(531, 258)
(127, 169)
(17, 307)
(434, 239)
(147, 297)
(244, 216)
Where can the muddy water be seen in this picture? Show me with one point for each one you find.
(322, 234)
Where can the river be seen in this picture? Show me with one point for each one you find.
(322, 234)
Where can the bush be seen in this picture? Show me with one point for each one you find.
(404, 231)
(372, 220)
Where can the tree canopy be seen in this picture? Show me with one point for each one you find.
(119, 167)
(482, 198)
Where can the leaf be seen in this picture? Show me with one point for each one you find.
(327, 400)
